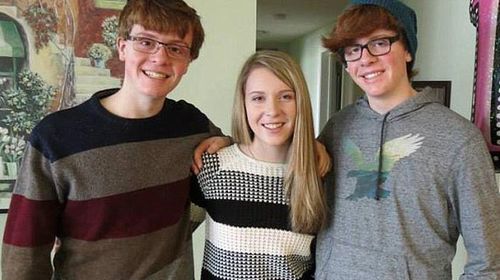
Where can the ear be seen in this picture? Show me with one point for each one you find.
(408, 57)
(120, 48)
(186, 68)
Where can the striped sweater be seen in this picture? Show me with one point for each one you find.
(113, 190)
(247, 231)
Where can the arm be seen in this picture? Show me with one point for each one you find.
(197, 204)
(32, 221)
(476, 204)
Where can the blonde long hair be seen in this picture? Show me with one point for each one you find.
(308, 209)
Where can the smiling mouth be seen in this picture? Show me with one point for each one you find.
(372, 75)
(273, 125)
(155, 75)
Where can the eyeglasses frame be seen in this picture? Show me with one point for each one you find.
(158, 46)
(392, 40)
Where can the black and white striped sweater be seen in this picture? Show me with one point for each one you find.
(247, 230)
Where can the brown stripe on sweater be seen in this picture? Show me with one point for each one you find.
(167, 161)
(75, 259)
(101, 178)
(36, 169)
(36, 257)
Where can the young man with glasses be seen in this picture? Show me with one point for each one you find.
(110, 178)
(409, 175)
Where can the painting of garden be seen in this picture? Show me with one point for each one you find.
(54, 54)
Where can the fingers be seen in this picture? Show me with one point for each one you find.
(218, 143)
(325, 166)
(198, 153)
(323, 159)
(195, 169)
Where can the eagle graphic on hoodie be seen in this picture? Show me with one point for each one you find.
(370, 176)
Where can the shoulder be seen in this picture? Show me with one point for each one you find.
(57, 123)
(222, 156)
(210, 161)
(339, 118)
(65, 119)
(63, 131)
(184, 116)
(441, 118)
(183, 108)
(211, 166)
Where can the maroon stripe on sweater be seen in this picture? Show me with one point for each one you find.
(126, 215)
(31, 223)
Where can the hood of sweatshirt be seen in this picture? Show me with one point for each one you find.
(416, 102)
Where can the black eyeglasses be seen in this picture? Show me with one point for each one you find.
(375, 47)
(151, 46)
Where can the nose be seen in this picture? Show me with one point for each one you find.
(160, 56)
(272, 107)
(366, 56)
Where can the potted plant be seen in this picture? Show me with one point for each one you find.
(26, 104)
(99, 54)
(11, 152)
(110, 31)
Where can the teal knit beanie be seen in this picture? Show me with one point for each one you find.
(404, 14)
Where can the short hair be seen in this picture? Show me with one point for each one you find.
(359, 21)
(303, 185)
(163, 16)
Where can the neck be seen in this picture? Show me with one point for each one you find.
(385, 103)
(267, 153)
(127, 106)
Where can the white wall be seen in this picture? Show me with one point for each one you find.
(230, 28)
(307, 51)
(445, 52)
(446, 48)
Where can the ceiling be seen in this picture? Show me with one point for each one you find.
(281, 21)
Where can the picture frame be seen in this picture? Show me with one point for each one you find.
(53, 55)
(442, 89)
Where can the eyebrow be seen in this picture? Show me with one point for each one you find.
(263, 92)
(376, 37)
(148, 35)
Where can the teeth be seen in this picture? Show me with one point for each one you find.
(273, 125)
(155, 75)
(372, 75)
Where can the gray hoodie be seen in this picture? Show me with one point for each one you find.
(404, 186)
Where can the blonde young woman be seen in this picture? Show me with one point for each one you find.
(263, 198)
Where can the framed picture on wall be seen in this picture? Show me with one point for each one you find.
(441, 89)
(53, 55)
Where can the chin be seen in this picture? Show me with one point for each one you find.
(374, 92)
(157, 92)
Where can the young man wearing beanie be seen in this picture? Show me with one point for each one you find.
(410, 175)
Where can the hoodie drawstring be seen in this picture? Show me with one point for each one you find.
(379, 171)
